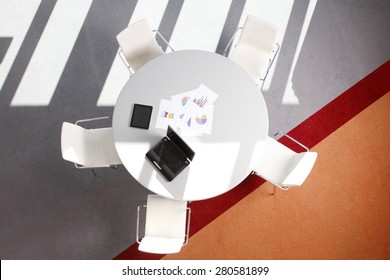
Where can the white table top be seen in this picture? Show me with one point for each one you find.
(223, 158)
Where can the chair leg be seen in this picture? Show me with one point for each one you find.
(93, 171)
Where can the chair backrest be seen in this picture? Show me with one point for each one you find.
(282, 166)
(254, 47)
(88, 147)
(138, 43)
(258, 32)
(165, 225)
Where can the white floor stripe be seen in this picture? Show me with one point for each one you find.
(289, 96)
(200, 24)
(15, 20)
(49, 59)
(118, 75)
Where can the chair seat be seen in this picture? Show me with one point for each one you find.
(160, 245)
(275, 162)
(144, 54)
(284, 167)
(253, 60)
(88, 147)
(166, 225)
(303, 164)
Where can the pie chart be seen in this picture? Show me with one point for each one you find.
(184, 100)
(202, 120)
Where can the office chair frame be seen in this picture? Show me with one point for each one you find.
(186, 237)
(122, 55)
(231, 41)
(92, 119)
(79, 166)
(163, 38)
(292, 139)
(271, 60)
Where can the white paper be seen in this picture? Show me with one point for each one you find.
(168, 114)
(190, 112)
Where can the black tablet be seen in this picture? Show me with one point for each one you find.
(141, 116)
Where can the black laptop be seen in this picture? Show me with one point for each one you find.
(171, 155)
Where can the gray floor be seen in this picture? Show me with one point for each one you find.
(50, 210)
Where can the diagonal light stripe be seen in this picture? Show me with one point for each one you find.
(289, 96)
(15, 21)
(168, 21)
(118, 75)
(49, 59)
(200, 25)
(231, 24)
(5, 42)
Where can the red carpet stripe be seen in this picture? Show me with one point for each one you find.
(344, 107)
(312, 131)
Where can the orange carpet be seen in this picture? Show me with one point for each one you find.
(341, 212)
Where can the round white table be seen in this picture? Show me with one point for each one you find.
(223, 158)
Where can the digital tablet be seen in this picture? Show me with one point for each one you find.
(141, 116)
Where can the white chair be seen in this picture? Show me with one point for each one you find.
(256, 47)
(138, 45)
(88, 148)
(166, 230)
(282, 166)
